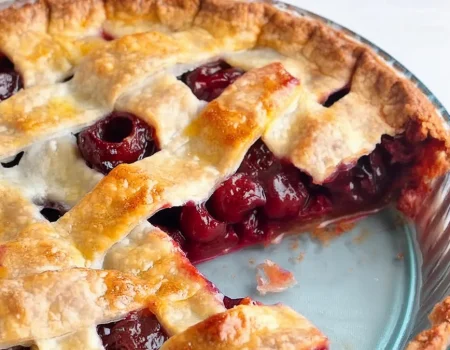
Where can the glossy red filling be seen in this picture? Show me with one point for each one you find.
(52, 211)
(139, 330)
(209, 80)
(10, 80)
(118, 138)
(268, 196)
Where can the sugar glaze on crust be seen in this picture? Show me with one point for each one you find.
(48, 41)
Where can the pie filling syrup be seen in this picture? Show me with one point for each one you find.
(268, 196)
(264, 197)
(119, 138)
(139, 330)
(10, 80)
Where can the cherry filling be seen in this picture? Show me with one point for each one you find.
(207, 82)
(13, 162)
(106, 36)
(267, 196)
(139, 330)
(10, 80)
(119, 138)
(52, 211)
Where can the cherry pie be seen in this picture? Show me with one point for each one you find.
(139, 137)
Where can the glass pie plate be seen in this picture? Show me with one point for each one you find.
(371, 287)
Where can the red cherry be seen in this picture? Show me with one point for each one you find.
(236, 197)
(284, 199)
(139, 330)
(10, 80)
(175, 234)
(229, 303)
(107, 36)
(371, 172)
(119, 138)
(345, 186)
(207, 82)
(319, 205)
(251, 229)
(198, 225)
(200, 251)
(400, 151)
(257, 160)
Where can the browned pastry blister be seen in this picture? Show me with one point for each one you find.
(101, 259)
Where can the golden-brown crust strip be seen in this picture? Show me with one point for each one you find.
(331, 53)
(56, 17)
(236, 21)
(55, 303)
(251, 327)
(175, 14)
(15, 21)
(39, 113)
(38, 248)
(182, 295)
(131, 10)
(16, 212)
(75, 16)
(438, 336)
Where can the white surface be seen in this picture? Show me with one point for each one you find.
(415, 32)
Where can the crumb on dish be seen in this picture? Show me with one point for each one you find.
(272, 278)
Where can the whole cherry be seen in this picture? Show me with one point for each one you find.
(284, 198)
(235, 197)
(118, 138)
(10, 81)
(198, 225)
(208, 81)
(139, 330)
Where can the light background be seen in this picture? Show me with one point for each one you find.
(415, 32)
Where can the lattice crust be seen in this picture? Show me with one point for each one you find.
(48, 285)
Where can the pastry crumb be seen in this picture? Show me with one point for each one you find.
(330, 232)
(294, 244)
(362, 236)
(271, 278)
(251, 261)
(400, 256)
(297, 259)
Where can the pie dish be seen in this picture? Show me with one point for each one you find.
(141, 137)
